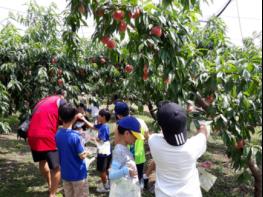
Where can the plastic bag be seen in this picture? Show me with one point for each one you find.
(207, 180)
(125, 187)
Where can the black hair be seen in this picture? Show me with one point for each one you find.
(115, 98)
(67, 112)
(105, 113)
(125, 113)
(60, 91)
(121, 130)
(96, 104)
(82, 105)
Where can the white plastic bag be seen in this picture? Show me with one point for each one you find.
(124, 187)
(207, 180)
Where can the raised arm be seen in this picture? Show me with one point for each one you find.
(89, 124)
(203, 129)
(83, 155)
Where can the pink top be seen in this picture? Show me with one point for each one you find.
(44, 124)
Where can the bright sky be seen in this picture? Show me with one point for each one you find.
(250, 12)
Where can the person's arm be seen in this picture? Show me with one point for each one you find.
(116, 172)
(89, 124)
(150, 168)
(203, 129)
(146, 135)
(83, 155)
(79, 148)
(198, 143)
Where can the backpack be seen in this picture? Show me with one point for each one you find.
(22, 129)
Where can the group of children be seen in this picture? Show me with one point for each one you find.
(120, 170)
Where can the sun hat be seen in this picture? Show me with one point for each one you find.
(133, 125)
(172, 119)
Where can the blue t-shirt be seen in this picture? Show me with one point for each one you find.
(69, 147)
(104, 132)
(103, 135)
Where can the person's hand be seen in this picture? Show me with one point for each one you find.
(203, 129)
(206, 164)
(133, 172)
(93, 139)
(79, 116)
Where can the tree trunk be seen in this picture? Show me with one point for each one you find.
(257, 174)
(152, 111)
(108, 103)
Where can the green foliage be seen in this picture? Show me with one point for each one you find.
(4, 127)
(4, 99)
(187, 63)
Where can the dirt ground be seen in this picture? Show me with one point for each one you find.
(19, 176)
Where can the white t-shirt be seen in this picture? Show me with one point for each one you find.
(144, 127)
(176, 171)
(94, 111)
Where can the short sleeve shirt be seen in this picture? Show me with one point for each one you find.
(176, 171)
(104, 132)
(69, 147)
(44, 124)
(104, 136)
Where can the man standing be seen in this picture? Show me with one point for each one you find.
(41, 138)
(176, 156)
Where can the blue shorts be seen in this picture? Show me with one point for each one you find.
(103, 163)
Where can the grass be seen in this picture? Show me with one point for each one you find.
(19, 176)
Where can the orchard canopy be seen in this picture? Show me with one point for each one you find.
(144, 53)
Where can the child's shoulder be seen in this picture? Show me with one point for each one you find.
(104, 126)
(121, 153)
(120, 149)
(69, 131)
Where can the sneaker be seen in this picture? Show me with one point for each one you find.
(107, 185)
(102, 189)
(142, 184)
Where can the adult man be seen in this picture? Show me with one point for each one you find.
(122, 110)
(176, 156)
(41, 138)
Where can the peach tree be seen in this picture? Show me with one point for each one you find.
(166, 54)
(34, 64)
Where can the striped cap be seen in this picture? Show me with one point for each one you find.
(172, 119)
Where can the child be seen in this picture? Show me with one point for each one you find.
(71, 154)
(123, 173)
(175, 155)
(104, 148)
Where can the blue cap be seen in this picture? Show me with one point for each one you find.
(121, 108)
(132, 124)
